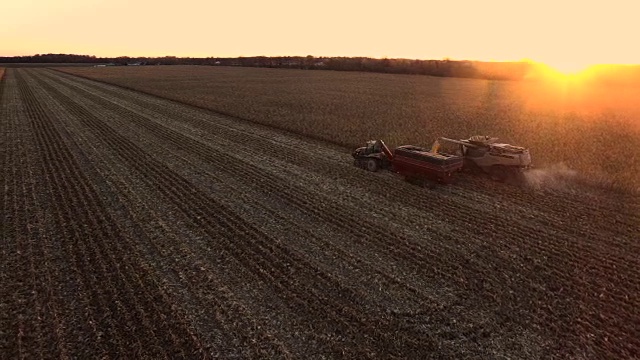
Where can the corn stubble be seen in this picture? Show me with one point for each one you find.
(138, 227)
(586, 128)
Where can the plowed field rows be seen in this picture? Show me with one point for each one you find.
(135, 226)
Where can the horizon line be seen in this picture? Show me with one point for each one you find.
(446, 58)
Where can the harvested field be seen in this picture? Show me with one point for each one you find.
(138, 227)
(589, 129)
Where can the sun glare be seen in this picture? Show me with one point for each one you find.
(562, 71)
(569, 67)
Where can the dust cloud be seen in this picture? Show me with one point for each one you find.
(557, 176)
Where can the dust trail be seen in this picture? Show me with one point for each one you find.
(556, 176)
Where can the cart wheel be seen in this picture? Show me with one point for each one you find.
(372, 165)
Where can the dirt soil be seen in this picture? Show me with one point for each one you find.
(137, 227)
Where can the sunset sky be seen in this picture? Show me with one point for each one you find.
(565, 34)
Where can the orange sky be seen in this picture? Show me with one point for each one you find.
(564, 33)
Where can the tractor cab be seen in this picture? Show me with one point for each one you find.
(373, 147)
(373, 156)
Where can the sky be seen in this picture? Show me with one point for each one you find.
(561, 33)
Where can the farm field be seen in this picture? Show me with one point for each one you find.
(140, 227)
(591, 129)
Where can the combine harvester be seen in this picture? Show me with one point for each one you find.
(480, 154)
(416, 164)
(483, 155)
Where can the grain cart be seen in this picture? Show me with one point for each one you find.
(483, 154)
(412, 162)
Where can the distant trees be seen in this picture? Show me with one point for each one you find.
(51, 58)
(445, 67)
(396, 66)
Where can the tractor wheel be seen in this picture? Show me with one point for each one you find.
(499, 173)
(372, 165)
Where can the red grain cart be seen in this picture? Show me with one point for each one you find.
(412, 162)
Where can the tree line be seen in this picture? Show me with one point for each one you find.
(474, 69)
(444, 68)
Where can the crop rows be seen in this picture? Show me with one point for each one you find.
(263, 253)
(119, 297)
(142, 227)
(586, 127)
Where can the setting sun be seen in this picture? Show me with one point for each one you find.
(569, 67)
(560, 34)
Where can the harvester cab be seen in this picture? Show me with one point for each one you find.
(500, 161)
